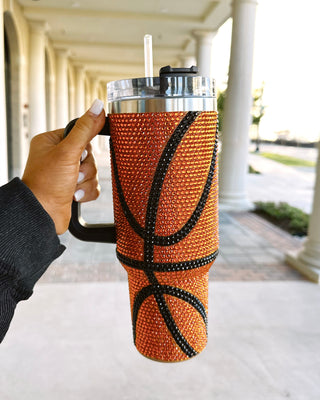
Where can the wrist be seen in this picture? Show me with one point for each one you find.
(59, 213)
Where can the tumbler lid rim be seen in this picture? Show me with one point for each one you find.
(161, 87)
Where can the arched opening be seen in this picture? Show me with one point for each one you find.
(12, 82)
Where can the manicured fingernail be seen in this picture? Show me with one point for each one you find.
(84, 155)
(97, 107)
(80, 177)
(78, 195)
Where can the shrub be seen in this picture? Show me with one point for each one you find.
(289, 218)
(252, 170)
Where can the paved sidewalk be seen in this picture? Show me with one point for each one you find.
(278, 182)
(304, 153)
(250, 247)
(73, 339)
(74, 342)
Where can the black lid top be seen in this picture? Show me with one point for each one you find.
(166, 72)
(172, 83)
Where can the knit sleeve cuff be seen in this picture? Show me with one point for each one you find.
(28, 240)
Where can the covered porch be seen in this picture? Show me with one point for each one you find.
(73, 338)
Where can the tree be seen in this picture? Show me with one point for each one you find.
(258, 109)
(220, 104)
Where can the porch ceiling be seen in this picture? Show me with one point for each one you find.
(107, 36)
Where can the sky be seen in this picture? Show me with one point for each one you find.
(287, 60)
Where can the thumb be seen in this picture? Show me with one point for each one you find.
(86, 127)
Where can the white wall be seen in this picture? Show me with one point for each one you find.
(3, 125)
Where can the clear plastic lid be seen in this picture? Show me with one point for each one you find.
(172, 83)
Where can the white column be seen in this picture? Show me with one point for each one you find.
(100, 91)
(104, 93)
(204, 51)
(37, 78)
(94, 88)
(237, 113)
(103, 143)
(307, 261)
(3, 116)
(62, 96)
(87, 89)
(80, 90)
(71, 92)
(187, 61)
(97, 142)
(51, 92)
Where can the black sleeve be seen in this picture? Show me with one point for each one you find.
(28, 245)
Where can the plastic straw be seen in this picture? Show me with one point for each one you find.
(148, 59)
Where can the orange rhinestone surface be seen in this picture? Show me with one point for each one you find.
(165, 191)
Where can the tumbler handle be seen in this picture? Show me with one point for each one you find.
(103, 233)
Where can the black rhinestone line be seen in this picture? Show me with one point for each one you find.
(170, 290)
(188, 297)
(150, 239)
(167, 267)
(191, 223)
(159, 176)
(151, 217)
(172, 326)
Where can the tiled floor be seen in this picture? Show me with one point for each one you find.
(251, 249)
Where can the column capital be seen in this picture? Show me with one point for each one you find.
(253, 2)
(187, 61)
(94, 79)
(64, 53)
(39, 26)
(203, 34)
(79, 67)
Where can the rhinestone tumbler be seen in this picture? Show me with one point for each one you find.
(163, 146)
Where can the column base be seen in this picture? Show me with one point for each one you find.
(304, 265)
(235, 203)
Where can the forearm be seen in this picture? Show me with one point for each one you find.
(10, 294)
(28, 244)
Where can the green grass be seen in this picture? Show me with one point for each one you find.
(287, 160)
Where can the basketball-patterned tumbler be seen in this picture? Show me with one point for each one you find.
(163, 145)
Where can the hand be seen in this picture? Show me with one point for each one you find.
(54, 172)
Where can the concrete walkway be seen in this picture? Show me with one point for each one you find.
(74, 342)
(279, 182)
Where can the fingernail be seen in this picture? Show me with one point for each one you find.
(80, 177)
(97, 107)
(84, 155)
(78, 195)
